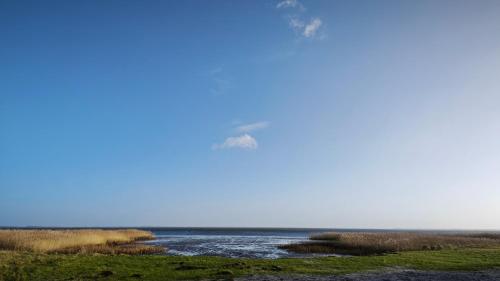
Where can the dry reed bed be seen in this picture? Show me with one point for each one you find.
(120, 241)
(357, 243)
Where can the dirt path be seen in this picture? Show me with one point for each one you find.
(391, 275)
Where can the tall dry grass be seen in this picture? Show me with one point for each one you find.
(75, 241)
(364, 243)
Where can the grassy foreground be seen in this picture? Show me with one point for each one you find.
(19, 265)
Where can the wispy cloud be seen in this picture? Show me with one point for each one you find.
(246, 128)
(307, 30)
(311, 28)
(244, 141)
(289, 4)
(298, 24)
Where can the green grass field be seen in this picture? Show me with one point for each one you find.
(38, 266)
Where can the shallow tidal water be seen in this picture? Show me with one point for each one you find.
(229, 242)
(241, 242)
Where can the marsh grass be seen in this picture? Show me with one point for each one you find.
(365, 243)
(120, 241)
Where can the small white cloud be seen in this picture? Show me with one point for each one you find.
(288, 4)
(312, 27)
(252, 127)
(245, 141)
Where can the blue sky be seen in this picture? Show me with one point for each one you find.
(371, 114)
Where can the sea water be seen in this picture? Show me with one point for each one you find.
(242, 242)
(229, 242)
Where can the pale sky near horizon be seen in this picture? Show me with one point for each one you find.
(364, 114)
